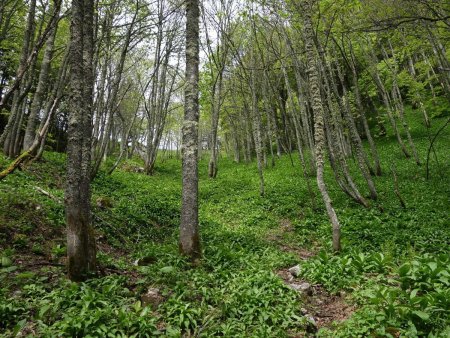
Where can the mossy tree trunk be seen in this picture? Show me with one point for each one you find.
(319, 132)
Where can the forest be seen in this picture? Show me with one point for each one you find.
(225, 168)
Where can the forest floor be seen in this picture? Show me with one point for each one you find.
(391, 279)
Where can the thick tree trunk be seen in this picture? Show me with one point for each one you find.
(189, 243)
(80, 237)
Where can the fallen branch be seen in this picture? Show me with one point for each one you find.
(49, 195)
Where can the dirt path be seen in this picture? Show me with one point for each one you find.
(318, 305)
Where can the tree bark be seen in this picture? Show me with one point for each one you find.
(39, 95)
(80, 237)
(319, 135)
(189, 242)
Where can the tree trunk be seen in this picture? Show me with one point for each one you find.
(216, 100)
(6, 138)
(362, 115)
(39, 95)
(398, 102)
(81, 251)
(361, 156)
(319, 135)
(189, 243)
(385, 97)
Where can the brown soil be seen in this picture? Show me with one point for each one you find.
(318, 303)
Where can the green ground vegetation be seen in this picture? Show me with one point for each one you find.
(394, 268)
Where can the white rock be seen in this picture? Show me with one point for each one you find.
(302, 287)
(295, 286)
(152, 298)
(295, 271)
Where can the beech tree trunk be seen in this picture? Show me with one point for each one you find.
(80, 237)
(189, 243)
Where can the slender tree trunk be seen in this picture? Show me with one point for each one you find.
(334, 125)
(189, 228)
(31, 55)
(298, 135)
(398, 102)
(112, 103)
(319, 135)
(256, 119)
(216, 100)
(6, 138)
(39, 95)
(362, 115)
(361, 156)
(386, 101)
(124, 142)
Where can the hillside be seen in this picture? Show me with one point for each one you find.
(391, 279)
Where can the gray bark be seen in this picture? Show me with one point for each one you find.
(189, 242)
(319, 135)
(80, 237)
(39, 95)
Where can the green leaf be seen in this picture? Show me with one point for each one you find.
(43, 310)
(6, 262)
(432, 265)
(167, 269)
(413, 293)
(19, 326)
(404, 269)
(422, 315)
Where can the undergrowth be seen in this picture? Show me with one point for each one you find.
(394, 265)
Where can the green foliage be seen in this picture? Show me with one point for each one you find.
(344, 271)
(414, 301)
(100, 308)
(394, 265)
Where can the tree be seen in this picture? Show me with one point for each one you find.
(189, 228)
(220, 19)
(319, 134)
(81, 251)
